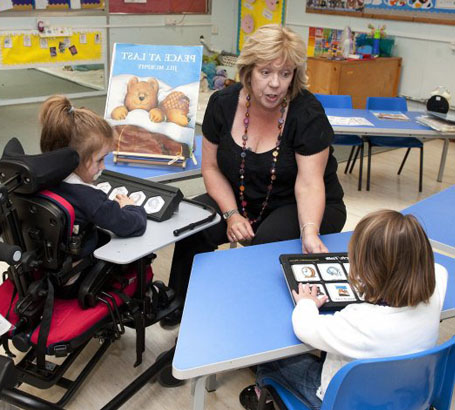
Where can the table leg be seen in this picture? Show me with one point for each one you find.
(210, 385)
(442, 164)
(198, 391)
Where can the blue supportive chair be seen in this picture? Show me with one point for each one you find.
(392, 104)
(418, 381)
(345, 101)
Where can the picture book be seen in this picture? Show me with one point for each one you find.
(389, 115)
(327, 271)
(152, 102)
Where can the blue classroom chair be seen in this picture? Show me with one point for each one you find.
(392, 104)
(418, 381)
(345, 101)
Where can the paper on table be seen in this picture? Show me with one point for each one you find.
(349, 121)
(436, 123)
(6, 5)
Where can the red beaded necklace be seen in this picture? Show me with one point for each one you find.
(275, 153)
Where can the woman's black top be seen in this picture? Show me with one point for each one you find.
(307, 131)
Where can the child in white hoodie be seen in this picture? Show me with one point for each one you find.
(392, 267)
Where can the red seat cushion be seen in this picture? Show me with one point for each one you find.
(70, 321)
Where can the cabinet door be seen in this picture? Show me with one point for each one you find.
(323, 76)
(377, 78)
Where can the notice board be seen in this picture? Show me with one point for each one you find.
(159, 7)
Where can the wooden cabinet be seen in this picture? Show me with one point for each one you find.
(358, 78)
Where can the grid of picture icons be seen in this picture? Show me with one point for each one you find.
(153, 205)
(331, 279)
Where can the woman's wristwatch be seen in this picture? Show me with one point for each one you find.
(228, 214)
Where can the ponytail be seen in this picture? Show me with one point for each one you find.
(64, 125)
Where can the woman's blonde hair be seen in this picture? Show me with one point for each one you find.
(66, 126)
(391, 260)
(271, 42)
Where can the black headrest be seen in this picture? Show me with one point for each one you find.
(36, 171)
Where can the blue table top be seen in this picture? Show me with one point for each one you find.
(238, 309)
(435, 213)
(160, 172)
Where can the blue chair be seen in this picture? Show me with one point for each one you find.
(345, 101)
(418, 381)
(392, 104)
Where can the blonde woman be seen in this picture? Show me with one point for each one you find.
(267, 161)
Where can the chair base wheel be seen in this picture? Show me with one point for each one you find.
(166, 379)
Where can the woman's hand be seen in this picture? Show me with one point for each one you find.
(239, 229)
(307, 292)
(123, 200)
(311, 243)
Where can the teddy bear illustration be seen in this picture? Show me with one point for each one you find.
(174, 108)
(139, 95)
(144, 95)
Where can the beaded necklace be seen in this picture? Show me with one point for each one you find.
(275, 153)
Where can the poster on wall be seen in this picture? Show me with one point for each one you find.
(256, 13)
(158, 7)
(28, 5)
(28, 49)
(152, 102)
(433, 6)
(323, 41)
(339, 5)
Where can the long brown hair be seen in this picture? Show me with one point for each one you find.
(66, 126)
(391, 260)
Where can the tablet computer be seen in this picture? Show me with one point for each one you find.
(328, 271)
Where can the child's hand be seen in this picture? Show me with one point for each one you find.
(307, 292)
(123, 200)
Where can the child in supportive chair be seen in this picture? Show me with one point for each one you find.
(64, 125)
(392, 266)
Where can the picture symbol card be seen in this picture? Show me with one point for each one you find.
(340, 292)
(305, 273)
(331, 271)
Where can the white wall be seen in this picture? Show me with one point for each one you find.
(428, 60)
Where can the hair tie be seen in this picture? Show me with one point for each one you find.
(71, 109)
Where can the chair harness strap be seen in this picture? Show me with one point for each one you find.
(139, 324)
(64, 205)
(45, 326)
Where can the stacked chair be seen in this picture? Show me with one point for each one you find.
(345, 101)
(40, 247)
(419, 381)
(392, 104)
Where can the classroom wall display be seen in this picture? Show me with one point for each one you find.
(256, 13)
(152, 102)
(159, 7)
(322, 41)
(28, 5)
(436, 6)
(29, 49)
(431, 11)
